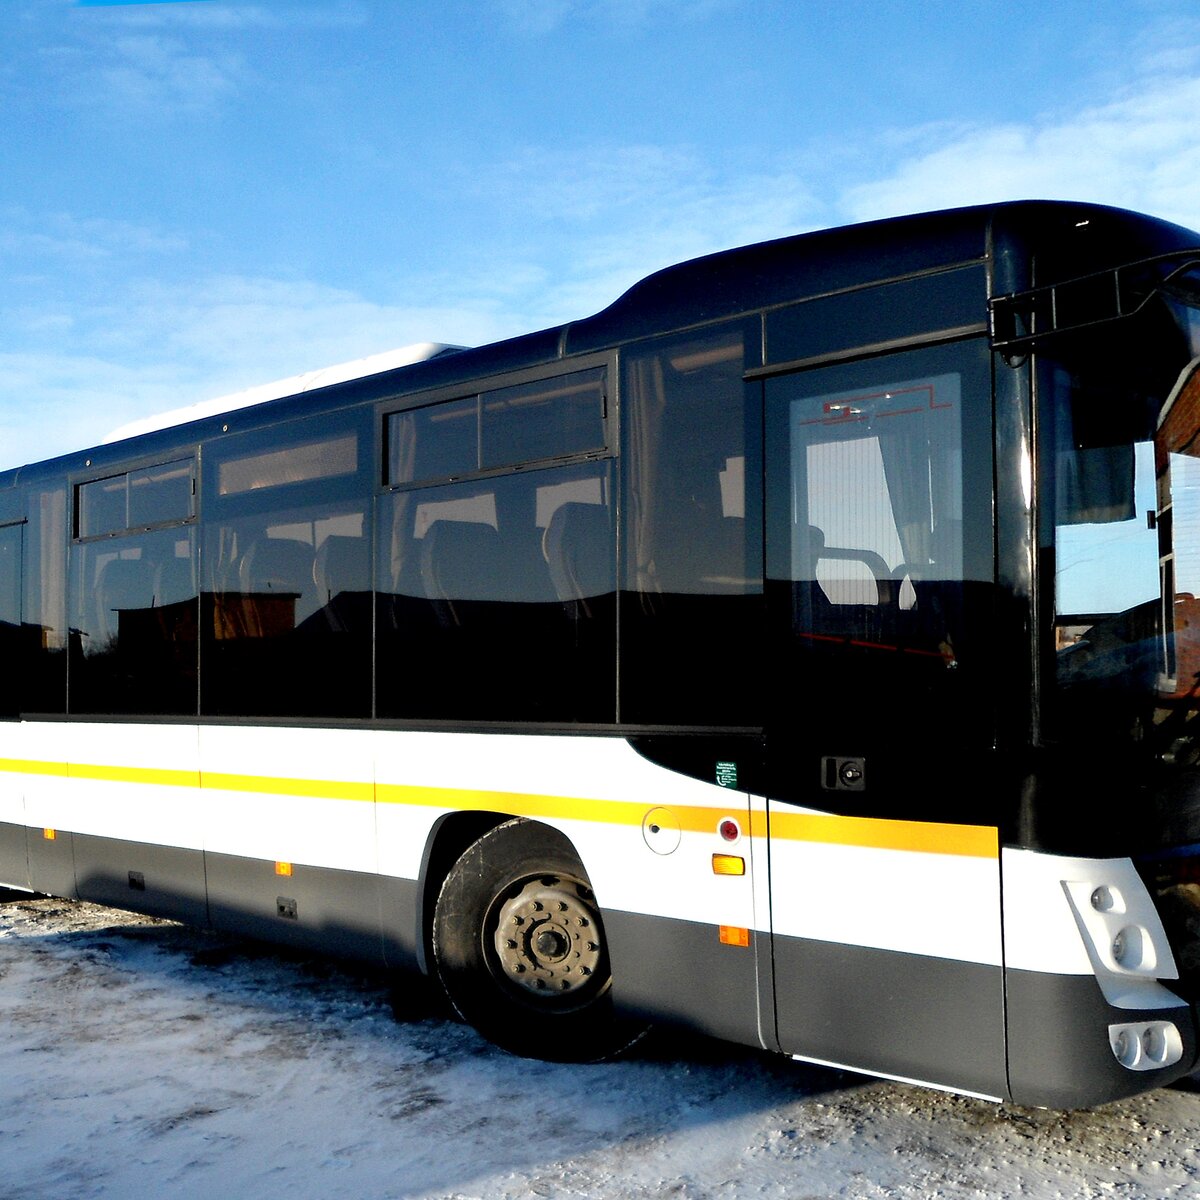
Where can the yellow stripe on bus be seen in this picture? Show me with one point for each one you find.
(867, 832)
(926, 837)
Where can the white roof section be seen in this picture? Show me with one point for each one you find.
(359, 368)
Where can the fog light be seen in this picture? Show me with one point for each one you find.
(1154, 1043)
(1126, 1047)
(1146, 1047)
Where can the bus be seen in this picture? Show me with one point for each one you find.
(804, 651)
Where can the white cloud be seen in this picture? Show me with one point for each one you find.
(1141, 151)
(153, 72)
(222, 16)
(71, 239)
(600, 218)
(155, 346)
(538, 17)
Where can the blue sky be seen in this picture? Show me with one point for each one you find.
(201, 196)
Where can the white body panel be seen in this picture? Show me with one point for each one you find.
(940, 905)
(367, 801)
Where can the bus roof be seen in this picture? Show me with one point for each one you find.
(359, 368)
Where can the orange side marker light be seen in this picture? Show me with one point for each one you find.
(728, 864)
(283, 868)
(734, 935)
(49, 834)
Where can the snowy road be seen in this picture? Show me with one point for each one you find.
(143, 1059)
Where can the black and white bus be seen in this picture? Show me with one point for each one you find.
(804, 650)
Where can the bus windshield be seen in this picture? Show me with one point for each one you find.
(1121, 443)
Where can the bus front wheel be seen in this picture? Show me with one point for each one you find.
(519, 945)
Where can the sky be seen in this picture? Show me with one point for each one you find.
(201, 196)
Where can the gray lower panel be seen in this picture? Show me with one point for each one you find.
(334, 912)
(345, 913)
(51, 862)
(1059, 1053)
(14, 856)
(164, 881)
(680, 973)
(930, 1019)
(400, 923)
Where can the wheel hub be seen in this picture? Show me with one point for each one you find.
(548, 939)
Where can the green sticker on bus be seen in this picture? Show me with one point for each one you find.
(727, 774)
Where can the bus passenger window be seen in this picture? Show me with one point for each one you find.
(158, 495)
(10, 617)
(691, 605)
(286, 615)
(44, 604)
(496, 599)
(133, 624)
(538, 421)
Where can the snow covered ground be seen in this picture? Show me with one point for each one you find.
(139, 1058)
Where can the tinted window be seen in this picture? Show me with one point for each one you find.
(286, 605)
(946, 300)
(44, 607)
(10, 616)
(877, 478)
(136, 499)
(691, 613)
(133, 624)
(496, 599)
(439, 441)
(530, 422)
(552, 418)
(302, 462)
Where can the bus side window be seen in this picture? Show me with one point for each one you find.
(10, 616)
(691, 608)
(133, 624)
(44, 604)
(287, 599)
(496, 598)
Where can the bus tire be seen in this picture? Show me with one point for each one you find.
(519, 946)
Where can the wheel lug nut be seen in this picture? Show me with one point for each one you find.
(510, 944)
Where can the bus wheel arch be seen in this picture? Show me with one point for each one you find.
(519, 946)
(448, 840)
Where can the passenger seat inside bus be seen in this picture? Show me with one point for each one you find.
(339, 571)
(578, 548)
(461, 562)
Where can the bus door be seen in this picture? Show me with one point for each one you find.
(883, 849)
